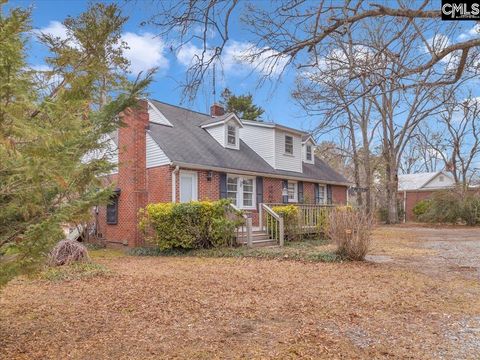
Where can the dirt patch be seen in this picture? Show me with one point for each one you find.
(150, 308)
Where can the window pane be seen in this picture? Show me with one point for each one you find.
(309, 152)
(232, 189)
(321, 194)
(247, 199)
(231, 135)
(292, 191)
(288, 144)
(248, 185)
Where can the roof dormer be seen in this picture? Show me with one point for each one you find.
(225, 129)
(308, 150)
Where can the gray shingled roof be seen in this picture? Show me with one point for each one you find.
(187, 142)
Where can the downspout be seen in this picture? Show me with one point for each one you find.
(174, 183)
(404, 206)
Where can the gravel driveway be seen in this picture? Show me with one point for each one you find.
(436, 251)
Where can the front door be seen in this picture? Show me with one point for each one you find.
(188, 186)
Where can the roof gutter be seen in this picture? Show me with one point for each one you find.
(243, 172)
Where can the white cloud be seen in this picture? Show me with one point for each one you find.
(145, 52)
(238, 57)
(472, 32)
(189, 54)
(55, 28)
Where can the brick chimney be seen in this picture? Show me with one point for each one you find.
(132, 172)
(217, 110)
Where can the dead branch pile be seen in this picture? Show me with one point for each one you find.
(67, 252)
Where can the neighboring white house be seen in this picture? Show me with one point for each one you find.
(425, 181)
(413, 188)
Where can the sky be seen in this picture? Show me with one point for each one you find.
(148, 50)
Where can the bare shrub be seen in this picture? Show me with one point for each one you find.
(351, 231)
(67, 252)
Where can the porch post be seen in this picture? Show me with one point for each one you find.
(281, 233)
(260, 216)
(249, 232)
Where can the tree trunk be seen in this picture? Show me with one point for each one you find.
(392, 188)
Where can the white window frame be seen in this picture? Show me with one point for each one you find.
(194, 176)
(306, 152)
(237, 136)
(285, 147)
(322, 188)
(295, 194)
(239, 199)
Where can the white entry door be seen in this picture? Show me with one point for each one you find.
(188, 186)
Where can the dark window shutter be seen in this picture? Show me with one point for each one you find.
(285, 186)
(112, 211)
(317, 194)
(329, 194)
(300, 192)
(259, 181)
(223, 186)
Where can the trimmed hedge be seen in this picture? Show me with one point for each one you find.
(193, 225)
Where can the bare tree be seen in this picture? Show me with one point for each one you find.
(455, 137)
(300, 33)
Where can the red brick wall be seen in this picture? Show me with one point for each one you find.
(159, 184)
(339, 194)
(412, 198)
(131, 178)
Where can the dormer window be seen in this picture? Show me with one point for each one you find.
(308, 152)
(231, 135)
(289, 144)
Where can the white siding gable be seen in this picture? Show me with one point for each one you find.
(218, 133)
(155, 155)
(439, 181)
(109, 153)
(155, 116)
(261, 140)
(283, 161)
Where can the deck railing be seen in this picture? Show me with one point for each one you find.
(272, 223)
(311, 217)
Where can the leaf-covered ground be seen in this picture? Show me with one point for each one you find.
(187, 307)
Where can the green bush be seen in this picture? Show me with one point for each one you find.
(193, 225)
(290, 220)
(453, 207)
(421, 207)
(471, 210)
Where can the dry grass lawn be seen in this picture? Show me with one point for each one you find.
(206, 308)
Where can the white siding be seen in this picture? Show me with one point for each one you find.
(155, 155)
(109, 152)
(218, 133)
(155, 116)
(286, 161)
(436, 183)
(261, 140)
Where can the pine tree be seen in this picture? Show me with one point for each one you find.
(242, 105)
(50, 122)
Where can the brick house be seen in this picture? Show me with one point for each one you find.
(171, 154)
(413, 188)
